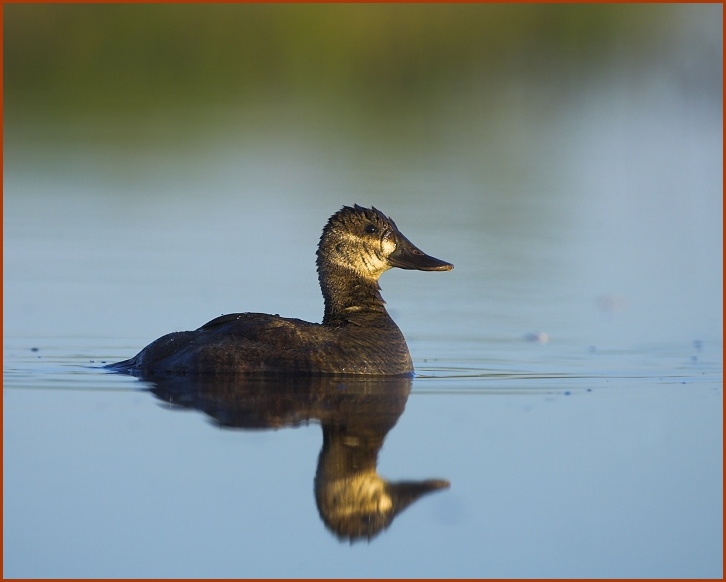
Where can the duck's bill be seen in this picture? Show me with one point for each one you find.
(408, 256)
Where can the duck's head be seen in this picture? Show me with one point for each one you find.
(368, 243)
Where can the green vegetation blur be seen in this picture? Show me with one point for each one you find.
(79, 59)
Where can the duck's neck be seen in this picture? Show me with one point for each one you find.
(348, 296)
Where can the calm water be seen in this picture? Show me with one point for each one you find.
(569, 370)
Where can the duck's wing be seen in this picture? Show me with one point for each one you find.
(263, 329)
(233, 319)
(258, 326)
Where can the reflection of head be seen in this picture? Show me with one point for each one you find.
(353, 500)
(363, 505)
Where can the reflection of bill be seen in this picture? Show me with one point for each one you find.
(355, 413)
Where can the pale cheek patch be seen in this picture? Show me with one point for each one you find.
(351, 256)
(355, 254)
(388, 244)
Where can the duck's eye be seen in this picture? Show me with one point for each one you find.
(371, 229)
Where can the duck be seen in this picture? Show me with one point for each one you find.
(357, 336)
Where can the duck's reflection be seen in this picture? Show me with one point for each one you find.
(354, 502)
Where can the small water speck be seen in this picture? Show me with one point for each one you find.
(612, 303)
(33, 349)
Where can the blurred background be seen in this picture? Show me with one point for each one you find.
(397, 64)
(435, 76)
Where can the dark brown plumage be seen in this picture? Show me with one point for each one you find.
(357, 336)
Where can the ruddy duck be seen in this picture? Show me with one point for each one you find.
(357, 336)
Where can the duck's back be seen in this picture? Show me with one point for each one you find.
(258, 343)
